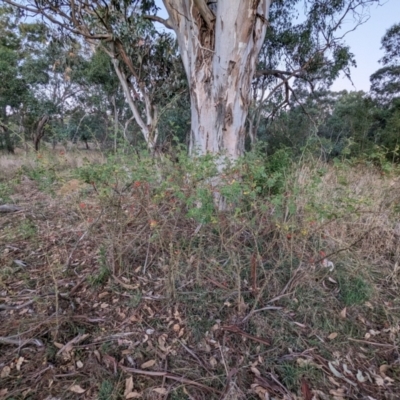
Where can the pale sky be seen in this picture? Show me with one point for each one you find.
(364, 42)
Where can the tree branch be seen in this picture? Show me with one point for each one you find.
(166, 22)
(41, 11)
(278, 73)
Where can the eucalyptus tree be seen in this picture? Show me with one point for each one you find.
(385, 88)
(385, 82)
(304, 52)
(13, 88)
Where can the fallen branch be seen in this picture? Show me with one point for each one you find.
(168, 375)
(251, 313)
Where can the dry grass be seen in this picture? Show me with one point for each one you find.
(10, 164)
(235, 307)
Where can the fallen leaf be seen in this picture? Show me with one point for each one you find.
(133, 395)
(305, 390)
(333, 336)
(335, 382)
(369, 305)
(379, 381)
(302, 362)
(340, 375)
(383, 369)
(319, 395)
(3, 392)
(337, 394)
(5, 372)
(213, 362)
(260, 391)
(383, 381)
(346, 370)
(255, 371)
(360, 377)
(128, 386)
(334, 370)
(77, 389)
(19, 363)
(343, 313)
(161, 390)
(176, 328)
(97, 354)
(148, 364)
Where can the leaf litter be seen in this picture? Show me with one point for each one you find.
(61, 329)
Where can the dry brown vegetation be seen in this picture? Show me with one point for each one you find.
(113, 290)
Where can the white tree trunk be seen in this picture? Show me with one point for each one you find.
(148, 127)
(219, 53)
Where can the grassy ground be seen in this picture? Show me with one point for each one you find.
(119, 280)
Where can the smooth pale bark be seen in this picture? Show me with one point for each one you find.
(147, 128)
(219, 49)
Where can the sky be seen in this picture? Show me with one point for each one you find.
(364, 42)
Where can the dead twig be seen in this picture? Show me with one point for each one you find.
(259, 310)
(168, 375)
(194, 356)
(5, 307)
(68, 346)
(373, 343)
(235, 329)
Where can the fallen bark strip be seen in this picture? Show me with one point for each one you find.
(6, 307)
(20, 342)
(168, 375)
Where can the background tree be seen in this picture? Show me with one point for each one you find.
(13, 88)
(385, 82)
(385, 88)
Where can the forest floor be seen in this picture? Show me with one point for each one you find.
(114, 292)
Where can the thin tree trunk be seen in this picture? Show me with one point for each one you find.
(148, 128)
(115, 123)
(8, 143)
(38, 135)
